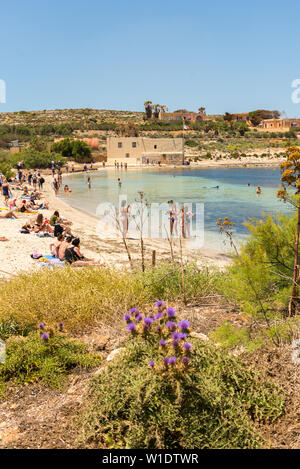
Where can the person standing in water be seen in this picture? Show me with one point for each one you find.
(89, 182)
(119, 182)
(258, 190)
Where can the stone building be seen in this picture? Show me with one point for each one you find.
(182, 115)
(279, 125)
(137, 150)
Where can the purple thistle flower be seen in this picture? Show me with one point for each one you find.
(171, 325)
(171, 312)
(151, 364)
(148, 321)
(176, 335)
(185, 360)
(139, 317)
(175, 343)
(179, 335)
(158, 316)
(184, 325)
(162, 342)
(159, 304)
(126, 317)
(187, 346)
(166, 361)
(45, 337)
(61, 326)
(172, 360)
(130, 327)
(133, 310)
(158, 329)
(42, 325)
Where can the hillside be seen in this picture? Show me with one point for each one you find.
(62, 116)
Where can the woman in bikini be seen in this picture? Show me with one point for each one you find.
(41, 226)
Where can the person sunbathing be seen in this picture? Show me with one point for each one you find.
(27, 228)
(43, 206)
(58, 250)
(55, 218)
(41, 226)
(12, 204)
(74, 257)
(26, 207)
(9, 214)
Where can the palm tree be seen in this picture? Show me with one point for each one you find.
(157, 109)
(148, 109)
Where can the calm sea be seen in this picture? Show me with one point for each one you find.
(233, 197)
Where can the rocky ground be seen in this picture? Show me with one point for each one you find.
(36, 417)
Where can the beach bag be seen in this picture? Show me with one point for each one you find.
(35, 254)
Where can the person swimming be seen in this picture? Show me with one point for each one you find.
(258, 190)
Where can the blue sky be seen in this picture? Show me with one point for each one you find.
(225, 55)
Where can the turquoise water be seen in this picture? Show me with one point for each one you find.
(234, 198)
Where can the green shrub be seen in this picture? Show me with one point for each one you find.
(34, 159)
(76, 149)
(6, 169)
(212, 404)
(259, 278)
(31, 359)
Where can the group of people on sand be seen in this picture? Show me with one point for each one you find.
(67, 246)
(29, 201)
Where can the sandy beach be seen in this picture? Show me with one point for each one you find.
(15, 253)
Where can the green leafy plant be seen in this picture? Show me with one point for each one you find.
(43, 357)
(142, 401)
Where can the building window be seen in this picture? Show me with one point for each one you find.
(155, 147)
(127, 155)
(133, 144)
(119, 144)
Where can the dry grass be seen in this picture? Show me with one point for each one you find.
(81, 298)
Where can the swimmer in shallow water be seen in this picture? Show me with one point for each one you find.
(258, 190)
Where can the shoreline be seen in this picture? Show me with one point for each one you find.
(15, 252)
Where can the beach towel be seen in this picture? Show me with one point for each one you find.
(47, 260)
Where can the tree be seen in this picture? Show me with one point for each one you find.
(257, 116)
(76, 149)
(38, 144)
(148, 109)
(290, 176)
(128, 129)
(201, 110)
(156, 110)
(35, 159)
(6, 169)
(228, 117)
